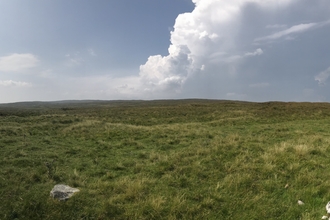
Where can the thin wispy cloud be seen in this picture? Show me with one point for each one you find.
(92, 52)
(292, 30)
(257, 52)
(322, 77)
(296, 29)
(236, 96)
(47, 74)
(73, 60)
(276, 26)
(12, 83)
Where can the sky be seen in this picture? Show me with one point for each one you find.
(250, 50)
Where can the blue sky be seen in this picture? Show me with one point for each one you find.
(252, 50)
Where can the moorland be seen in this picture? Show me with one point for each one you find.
(165, 159)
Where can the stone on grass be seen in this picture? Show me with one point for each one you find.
(327, 207)
(62, 192)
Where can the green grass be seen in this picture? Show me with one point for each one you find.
(179, 159)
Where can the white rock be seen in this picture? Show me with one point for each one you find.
(62, 192)
(327, 207)
(300, 202)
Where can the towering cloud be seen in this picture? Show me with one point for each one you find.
(225, 39)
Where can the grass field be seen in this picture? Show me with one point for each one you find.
(179, 159)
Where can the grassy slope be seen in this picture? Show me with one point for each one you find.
(185, 159)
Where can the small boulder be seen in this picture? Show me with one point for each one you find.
(62, 192)
(300, 202)
(327, 207)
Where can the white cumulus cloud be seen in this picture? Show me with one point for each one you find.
(205, 40)
(167, 73)
(18, 62)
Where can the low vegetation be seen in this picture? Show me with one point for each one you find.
(179, 159)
